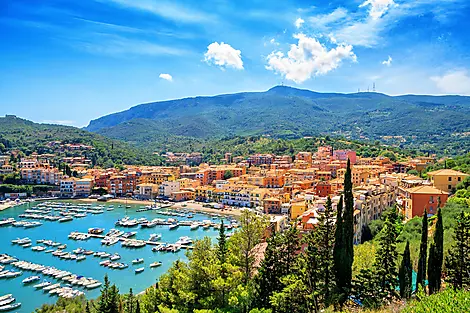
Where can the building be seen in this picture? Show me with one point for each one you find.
(67, 187)
(272, 205)
(83, 187)
(446, 179)
(167, 188)
(146, 191)
(420, 198)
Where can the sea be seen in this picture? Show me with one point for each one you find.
(125, 279)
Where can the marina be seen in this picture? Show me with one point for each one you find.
(132, 244)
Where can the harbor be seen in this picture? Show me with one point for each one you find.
(133, 244)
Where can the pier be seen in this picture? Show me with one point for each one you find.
(152, 243)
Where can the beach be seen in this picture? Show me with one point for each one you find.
(6, 205)
(186, 205)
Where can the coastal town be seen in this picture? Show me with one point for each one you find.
(288, 188)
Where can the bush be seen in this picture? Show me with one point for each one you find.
(447, 301)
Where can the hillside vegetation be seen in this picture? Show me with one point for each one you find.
(28, 137)
(427, 123)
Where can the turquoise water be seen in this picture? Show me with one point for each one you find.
(124, 279)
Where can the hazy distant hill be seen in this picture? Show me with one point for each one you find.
(27, 136)
(287, 112)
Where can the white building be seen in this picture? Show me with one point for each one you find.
(168, 187)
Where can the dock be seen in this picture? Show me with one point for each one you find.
(152, 243)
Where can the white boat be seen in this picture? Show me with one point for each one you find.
(138, 261)
(194, 226)
(31, 279)
(7, 301)
(139, 270)
(94, 285)
(185, 240)
(173, 226)
(155, 264)
(115, 257)
(50, 287)
(10, 307)
(81, 258)
(6, 297)
(42, 285)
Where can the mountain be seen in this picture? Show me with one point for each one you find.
(28, 137)
(424, 122)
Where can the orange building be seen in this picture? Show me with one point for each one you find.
(322, 189)
(423, 197)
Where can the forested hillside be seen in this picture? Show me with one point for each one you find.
(427, 123)
(28, 137)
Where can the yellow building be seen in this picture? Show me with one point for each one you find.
(298, 208)
(446, 179)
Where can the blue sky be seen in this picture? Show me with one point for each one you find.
(67, 61)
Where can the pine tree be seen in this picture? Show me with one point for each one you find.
(375, 285)
(406, 273)
(103, 303)
(280, 260)
(130, 302)
(386, 260)
(458, 260)
(267, 281)
(87, 308)
(344, 253)
(423, 249)
(324, 240)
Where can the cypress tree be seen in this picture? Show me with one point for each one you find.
(432, 269)
(344, 253)
(423, 249)
(222, 244)
(137, 306)
(436, 255)
(338, 248)
(439, 246)
(406, 273)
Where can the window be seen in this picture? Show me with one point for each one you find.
(431, 199)
(449, 187)
(459, 178)
(430, 209)
(450, 178)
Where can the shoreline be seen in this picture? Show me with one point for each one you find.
(5, 206)
(187, 205)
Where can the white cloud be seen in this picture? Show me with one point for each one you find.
(322, 20)
(273, 42)
(299, 22)
(223, 55)
(117, 45)
(453, 82)
(378, 8)
(166, 9)
(165, 76)
(388, 62)
(308, 58)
